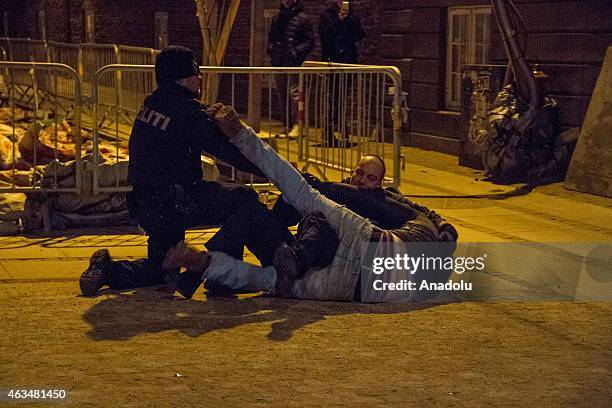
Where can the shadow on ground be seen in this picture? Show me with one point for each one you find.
(124, 315)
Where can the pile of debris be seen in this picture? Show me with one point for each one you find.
(35, 153)
(526, 145)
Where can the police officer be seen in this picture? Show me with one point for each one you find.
(169, 134)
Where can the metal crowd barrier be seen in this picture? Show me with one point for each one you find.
(93, 57)
(46, 142)
(135, 85)
(360, 106)
(19, 50)
(25, 49)
(68, 54)
(345, 110)
(119, 93)
(352, 109)
(39, 51)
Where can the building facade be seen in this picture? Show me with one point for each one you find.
(429, 40)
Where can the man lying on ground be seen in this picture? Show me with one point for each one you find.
(357, 235)
(363, 194)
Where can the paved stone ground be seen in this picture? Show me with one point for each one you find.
(147, 348)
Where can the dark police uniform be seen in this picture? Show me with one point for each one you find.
(170, 133)
(168, 137)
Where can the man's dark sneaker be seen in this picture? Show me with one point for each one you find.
(284, 284)
(187, 283)
(287, 260)
(288, 268)
(96, 275)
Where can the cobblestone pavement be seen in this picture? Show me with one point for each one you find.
(148, 348)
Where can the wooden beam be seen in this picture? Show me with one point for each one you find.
(226, 30)
(215, 39)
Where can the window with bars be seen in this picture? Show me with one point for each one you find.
(469, 31)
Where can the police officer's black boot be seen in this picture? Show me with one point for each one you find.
(288, 269)
(96, 275)
(187, 283)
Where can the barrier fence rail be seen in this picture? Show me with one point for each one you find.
(46, 140)
(85, 58)
(68, 54)
(351, 104)
(345, 111)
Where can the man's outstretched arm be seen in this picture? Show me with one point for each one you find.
(296, 191)
(280, 172)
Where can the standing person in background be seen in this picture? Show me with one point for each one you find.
(339, 31)
(290, 39)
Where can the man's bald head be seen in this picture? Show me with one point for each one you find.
(369, 173)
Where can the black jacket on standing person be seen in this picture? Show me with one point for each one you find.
(291, 37)
(339, 37)
(169, 135)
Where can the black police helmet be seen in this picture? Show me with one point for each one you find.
(175, 62)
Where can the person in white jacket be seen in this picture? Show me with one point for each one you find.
(353, 273)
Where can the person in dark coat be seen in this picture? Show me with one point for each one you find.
(339, 32)
(290, 40)
(169, 135)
